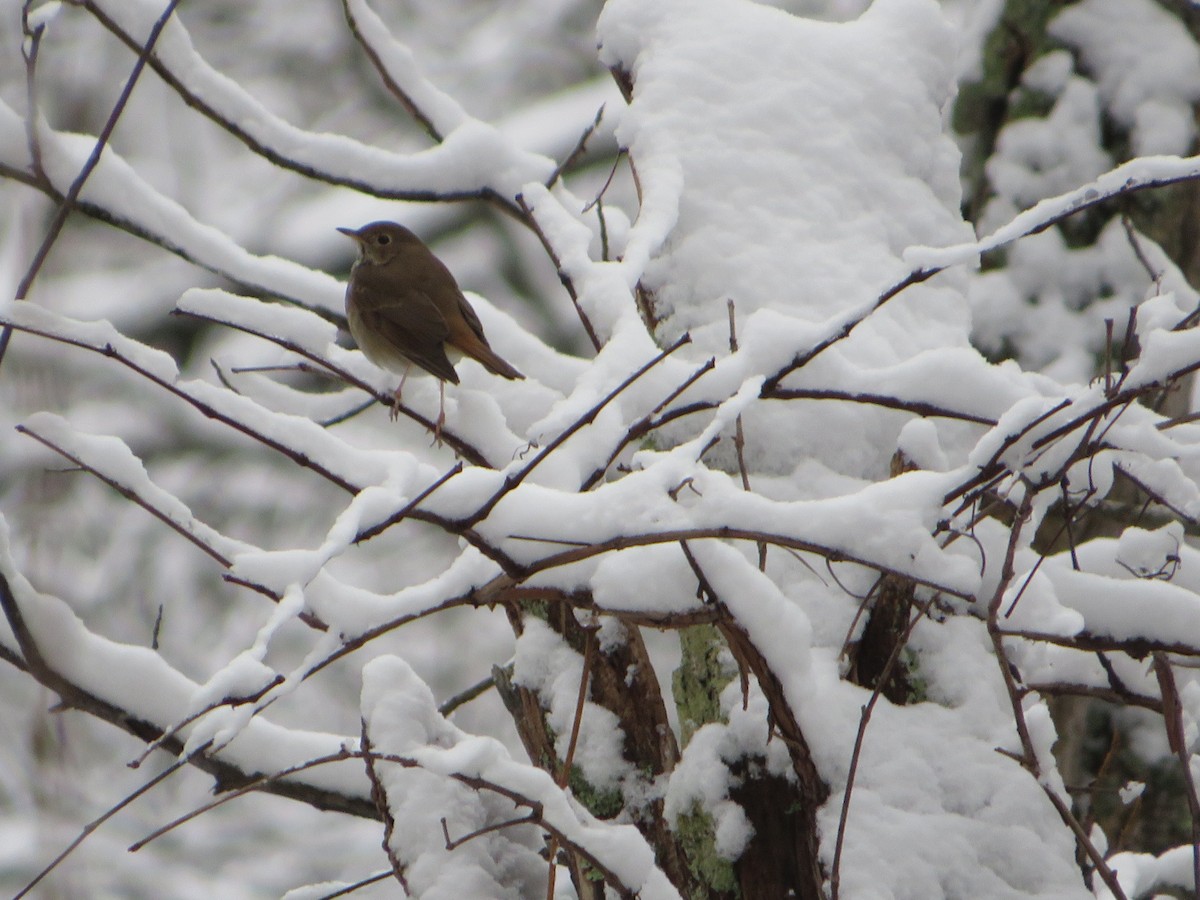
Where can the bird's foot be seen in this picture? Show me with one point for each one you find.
(394, 412)
(437, 428)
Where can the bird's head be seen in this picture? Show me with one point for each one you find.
(381, 242)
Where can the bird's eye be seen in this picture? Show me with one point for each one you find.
(383, 240)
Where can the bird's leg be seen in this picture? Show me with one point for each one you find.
(441, 419)
(395, 413)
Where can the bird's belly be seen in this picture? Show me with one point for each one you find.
(377, 349)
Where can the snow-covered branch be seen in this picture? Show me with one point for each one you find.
(747, 606)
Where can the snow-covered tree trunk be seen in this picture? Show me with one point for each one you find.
(763, 588)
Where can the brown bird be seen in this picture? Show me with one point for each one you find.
(405, 307)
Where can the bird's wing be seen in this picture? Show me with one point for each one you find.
(472, 317)
(466, 333)
(413, 326)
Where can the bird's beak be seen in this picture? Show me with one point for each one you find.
(351, 233)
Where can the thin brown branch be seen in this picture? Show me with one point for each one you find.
(227, 701)
(68, 202)
(532, 818)
(459, 444)
(1028, 757)
(653, 420)
(130, 494)
(279, 157)
(211, 412)
(579, 149)
(91, 827)
(917, 407)
(1177, 740)
(259, 783)
(226, 774)
(1108, 695)
(564, 775)
(589, 653)
(612, 173)
(394, 87)
(1084, 839)
(408, 509)
(1154, 495)
(725, 532)
(1008, 570)
(379, 795)
(739, 434)
(804, 358)
(1135, 647)
(993, 469)
(531, 220)
(511, 482)
(358, 885)
(885, 677)
(1135, 244)
(464, 697)
(30, 49)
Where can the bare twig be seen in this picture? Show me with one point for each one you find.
(208, 410)
(532, 818)
(379, 795)
(227, 701)
(564, 775)
(459, 444)
(511, 482)
(1178, 742)
(29, 51)
(358, 885)
(843, 331)
(406, 100)
(612, 173)
(367, 533)
(129, 494)
(864, 720)
(68, 202)
(578, 150)
(566, 280)
(259, 783)
(1028, 756)
(739, 435)
(90, 828)
(917, 407)
(1108, 695)
(464, 697)
(653, 420)
(1134, 647)
(1135, 244)
(224, 772)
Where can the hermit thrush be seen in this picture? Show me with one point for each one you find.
(405, 307)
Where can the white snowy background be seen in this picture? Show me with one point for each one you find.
(793, 165)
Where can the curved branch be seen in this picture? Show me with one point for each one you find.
(144, 231)
(726, 532)
(108, 350)
(390, 81)
(68, 201)
(511, 482)
(226, 774)
(459, 444)
(261, 146)
(917, 407)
